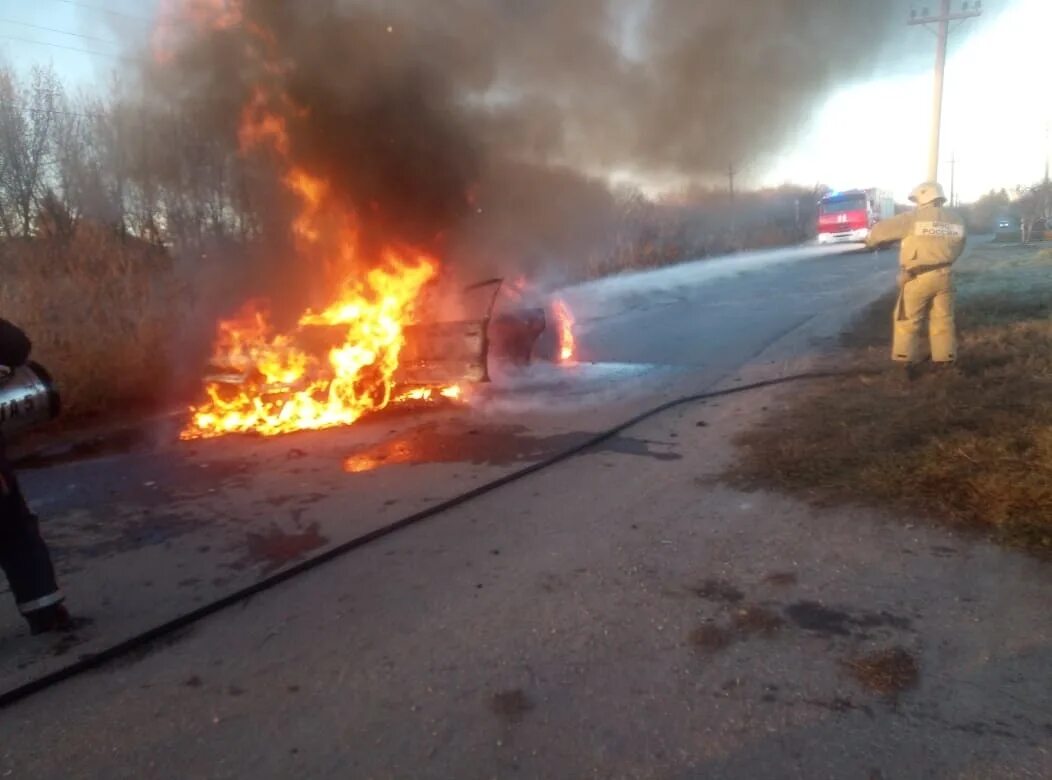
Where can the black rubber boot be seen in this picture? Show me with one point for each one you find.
(53, 618)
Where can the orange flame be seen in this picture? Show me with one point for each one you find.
(281, 385)
(286, 388)
(565, 321)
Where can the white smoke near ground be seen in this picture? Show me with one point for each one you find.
(551, 390)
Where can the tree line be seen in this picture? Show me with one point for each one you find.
(144, 171)
(136, 168)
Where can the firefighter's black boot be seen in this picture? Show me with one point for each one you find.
(53, 618)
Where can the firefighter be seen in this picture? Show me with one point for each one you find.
(24, 556)
(932, 237)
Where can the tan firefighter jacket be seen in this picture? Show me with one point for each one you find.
(932, 236)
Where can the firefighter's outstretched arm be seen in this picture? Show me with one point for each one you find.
(888, 230)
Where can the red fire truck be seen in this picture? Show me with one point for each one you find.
(848, 216)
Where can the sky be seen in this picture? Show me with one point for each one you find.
(79, 37)
(996, 113)
(873, 134)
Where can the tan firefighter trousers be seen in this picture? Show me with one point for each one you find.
(927, 297)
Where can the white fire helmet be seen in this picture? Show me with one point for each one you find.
(929, 192)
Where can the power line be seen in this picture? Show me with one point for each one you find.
(52, 111)
(69, 48)
(100, 9)
(152, 22)
(56, 30)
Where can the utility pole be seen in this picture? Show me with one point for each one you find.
(970, 9)
(1048, 127)
(953, 179)
(734, 217)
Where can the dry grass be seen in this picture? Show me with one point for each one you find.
(100, 312)
(973, 449)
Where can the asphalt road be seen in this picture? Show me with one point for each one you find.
(620, 615)
(162, 526)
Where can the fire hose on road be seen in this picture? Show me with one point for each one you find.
(141, 640)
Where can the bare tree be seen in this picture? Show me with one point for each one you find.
(983, 213)
(27, 115)
(73, 172)
(1035, 208)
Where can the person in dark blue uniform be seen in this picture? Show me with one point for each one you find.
(24, 556)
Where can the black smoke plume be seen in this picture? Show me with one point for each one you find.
(485, 129)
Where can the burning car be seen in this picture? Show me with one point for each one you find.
(358, 337)
(273, 383)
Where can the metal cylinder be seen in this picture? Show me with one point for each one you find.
(27, 398)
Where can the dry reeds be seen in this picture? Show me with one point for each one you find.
(100, 311)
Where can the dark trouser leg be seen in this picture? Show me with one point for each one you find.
(23, 555)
